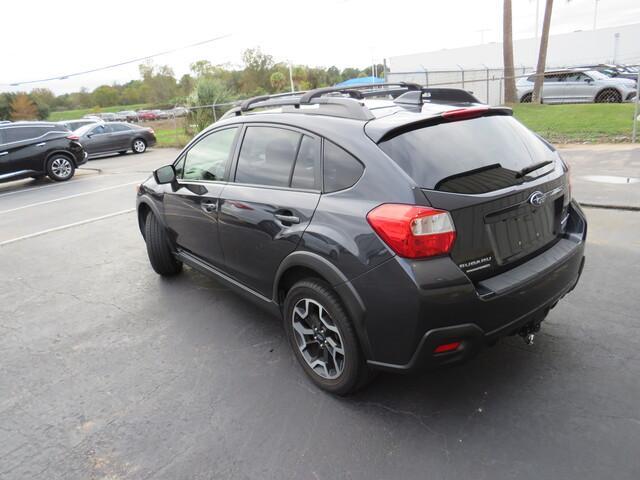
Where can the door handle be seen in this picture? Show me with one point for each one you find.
(287, 219)
(3, 153)
(209, 206)
(42, 144)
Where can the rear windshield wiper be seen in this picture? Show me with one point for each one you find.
(532, 168)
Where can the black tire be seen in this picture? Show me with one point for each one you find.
(60, 167)
(122, 152)
(526, 98)
(354, 374)
(162, 259)
(609, 96)
(139, 145)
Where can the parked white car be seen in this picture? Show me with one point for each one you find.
(578, 86)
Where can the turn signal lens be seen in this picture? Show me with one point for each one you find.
(412, 231)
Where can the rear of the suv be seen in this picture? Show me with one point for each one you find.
(37, 149)
(403, 236)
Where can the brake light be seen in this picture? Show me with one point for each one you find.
(464, 113)
(567, 169)
(413, 231)
(73, 137)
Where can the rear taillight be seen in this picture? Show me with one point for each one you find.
(567, 169)
(150, 130)
(73, 137)
(413, 231)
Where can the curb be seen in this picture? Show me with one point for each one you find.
(610, 207)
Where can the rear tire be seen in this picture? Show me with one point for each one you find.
(139, 145)
(60, 167)
(160, 255)
(321, 334)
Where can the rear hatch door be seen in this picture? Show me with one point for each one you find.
(505, 188)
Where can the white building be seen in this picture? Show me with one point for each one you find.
(482, 64)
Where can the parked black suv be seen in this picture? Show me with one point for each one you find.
(36, 149)
(393, 233)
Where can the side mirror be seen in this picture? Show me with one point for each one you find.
(588, 80)
(166, 174)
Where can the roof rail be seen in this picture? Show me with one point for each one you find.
(374, 88)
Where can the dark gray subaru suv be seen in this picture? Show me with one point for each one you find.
(395, 227)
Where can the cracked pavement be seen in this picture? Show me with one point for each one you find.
(109, 372)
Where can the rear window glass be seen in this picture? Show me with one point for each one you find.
(470, 156)
(341, 170)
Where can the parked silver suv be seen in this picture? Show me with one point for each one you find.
(578, 86)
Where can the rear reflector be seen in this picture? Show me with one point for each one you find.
(412, 231)
(465, 113)
(447, 347)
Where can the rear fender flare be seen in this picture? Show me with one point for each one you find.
(340, 284)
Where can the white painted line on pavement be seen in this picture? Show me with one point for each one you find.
(45, 202)
(63, 227)
(50, 185)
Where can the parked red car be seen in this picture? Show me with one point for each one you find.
(145, 115)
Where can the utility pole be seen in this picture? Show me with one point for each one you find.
(291, 77)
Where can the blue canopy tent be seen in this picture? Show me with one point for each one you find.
(360, 81)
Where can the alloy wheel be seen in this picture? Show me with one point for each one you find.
(61, 167)
(318, 338)
(139, 146)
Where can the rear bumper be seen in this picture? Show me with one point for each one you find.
(430, 303)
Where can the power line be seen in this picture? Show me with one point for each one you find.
(135, 60)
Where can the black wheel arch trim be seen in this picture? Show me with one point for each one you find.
(340, 284)
(154, 209)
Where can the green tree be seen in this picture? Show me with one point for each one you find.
(278, 81)
(257, 71)
(105, 96)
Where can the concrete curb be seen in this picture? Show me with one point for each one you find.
(610, 207)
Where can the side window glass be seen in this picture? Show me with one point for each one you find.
(208, 159)
(550, 78)
(306, 173)
(266, 156)
(98, 130)
(341, 169)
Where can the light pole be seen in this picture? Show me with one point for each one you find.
(291, 77)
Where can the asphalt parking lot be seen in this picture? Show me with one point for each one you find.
(108, 371)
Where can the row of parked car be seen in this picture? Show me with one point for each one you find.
(589, 84)
(139, 116)
(39, 149)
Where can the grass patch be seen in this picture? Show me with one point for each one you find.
(592, 123)
(74, 114)
(169, 137)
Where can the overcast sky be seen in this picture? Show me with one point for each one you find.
(45, 39)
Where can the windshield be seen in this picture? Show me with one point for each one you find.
(597, 75)
(470, 156)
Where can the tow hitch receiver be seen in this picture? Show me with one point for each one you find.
(528, 332)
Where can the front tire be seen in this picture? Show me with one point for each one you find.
(60, 168)
(526, 98)
(160, 255)
(139, 145)
(323, 338)
(609, 96)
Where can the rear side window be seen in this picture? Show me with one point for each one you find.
(469, 156)
(120, 128)
(267, 156)
(208, 159)
(306, 173)
(19, 134)
(341, 169)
